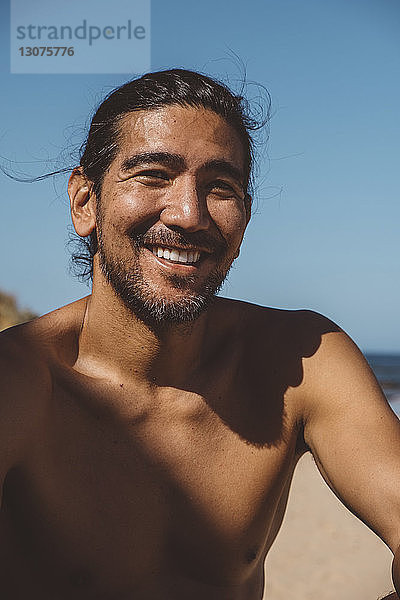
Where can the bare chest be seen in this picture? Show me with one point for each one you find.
(117, 492)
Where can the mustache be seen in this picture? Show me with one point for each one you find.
(165, 237)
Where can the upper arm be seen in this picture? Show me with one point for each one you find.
(353, 434)
(22, 383)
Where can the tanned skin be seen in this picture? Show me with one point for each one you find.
(154, 464)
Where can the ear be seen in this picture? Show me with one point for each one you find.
(83, 203)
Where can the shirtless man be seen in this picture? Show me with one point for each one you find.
(149, 431)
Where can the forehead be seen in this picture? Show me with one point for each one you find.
(198, 134)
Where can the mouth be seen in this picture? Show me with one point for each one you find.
(177, 255)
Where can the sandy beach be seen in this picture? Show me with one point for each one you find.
(322, 551)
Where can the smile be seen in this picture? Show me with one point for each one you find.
(176, 255)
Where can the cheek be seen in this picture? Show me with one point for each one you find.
(230, 220)
(127, 208)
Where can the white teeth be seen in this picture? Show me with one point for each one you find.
(175, 255)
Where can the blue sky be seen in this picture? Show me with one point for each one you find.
(325, 232)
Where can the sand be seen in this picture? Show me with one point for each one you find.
(323, 552)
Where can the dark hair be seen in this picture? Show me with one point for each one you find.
(152, 91)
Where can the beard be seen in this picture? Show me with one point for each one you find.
(141, 297)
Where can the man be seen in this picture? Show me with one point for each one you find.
(149, 432)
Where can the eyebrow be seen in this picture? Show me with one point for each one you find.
(174, 161)
(226, 167)
(178, 163)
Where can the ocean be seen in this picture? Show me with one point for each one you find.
(387, 371)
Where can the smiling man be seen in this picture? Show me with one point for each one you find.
(149, 432)
(169, 159)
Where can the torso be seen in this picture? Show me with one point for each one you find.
(159, 493)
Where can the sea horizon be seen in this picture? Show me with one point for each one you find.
(386, 367)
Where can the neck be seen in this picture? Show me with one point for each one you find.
(114, 343)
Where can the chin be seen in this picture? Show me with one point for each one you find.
(163, 313)
(172, 301)
(176, 306)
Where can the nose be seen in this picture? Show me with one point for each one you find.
(185, 207)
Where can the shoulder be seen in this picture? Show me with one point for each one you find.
(290, 347)
(338, 385)
(27, 355)
(292, 331)
(258, 311)
(308, 352)
(24, 370)
(21, 358)
(34, 345)
(336, 359)
(24, 384)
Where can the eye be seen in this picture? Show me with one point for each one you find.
(152, 177)
(223, 189)
(153, 174)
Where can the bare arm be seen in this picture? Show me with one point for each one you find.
(23, 382)
(354, 437)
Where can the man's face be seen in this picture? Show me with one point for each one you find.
(172, 212)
